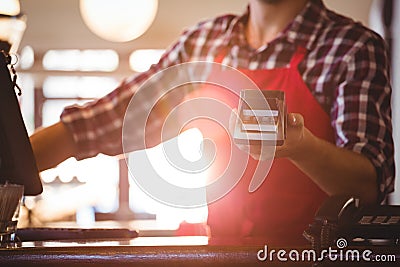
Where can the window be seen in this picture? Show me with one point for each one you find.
(97, 188)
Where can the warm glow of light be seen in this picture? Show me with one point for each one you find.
(78, 86)
(27, 57)
(66, 171)
(11, 29)
(10, 7)
(49, 175)
(118, 20)
(81, 60)
(96, 188)
(142, 59)
(170, 241)
(190, 146)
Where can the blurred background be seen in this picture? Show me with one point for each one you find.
(64, 59)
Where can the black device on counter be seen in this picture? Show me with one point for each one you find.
(342, 217)
(17, 162)
(261, 118)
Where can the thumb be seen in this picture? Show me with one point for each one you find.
(295, 120)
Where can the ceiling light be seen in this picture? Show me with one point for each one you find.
(12, 25)
(10, 7)
(118, 20)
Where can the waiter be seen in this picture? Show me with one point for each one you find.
(334, 73)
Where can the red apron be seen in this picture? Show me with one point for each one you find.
(284, 205)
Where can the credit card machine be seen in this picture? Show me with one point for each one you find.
(261, 118)
(342, 217)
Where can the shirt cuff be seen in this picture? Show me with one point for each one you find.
(383, 165)
(71, 117)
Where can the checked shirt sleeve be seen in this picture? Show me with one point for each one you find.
(362, 112)
(97, 126)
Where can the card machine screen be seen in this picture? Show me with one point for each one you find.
(262, 117)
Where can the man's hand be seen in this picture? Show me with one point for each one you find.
(335, 170)
(292, 147)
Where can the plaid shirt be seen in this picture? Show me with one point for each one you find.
(346, 69)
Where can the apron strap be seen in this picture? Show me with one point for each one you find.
(298, 57)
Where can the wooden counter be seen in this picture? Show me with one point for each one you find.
(153, 251)
(142, 251)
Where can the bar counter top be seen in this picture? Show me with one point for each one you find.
(158, 251)
(141, 251)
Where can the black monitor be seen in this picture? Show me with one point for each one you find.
(17, 161)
